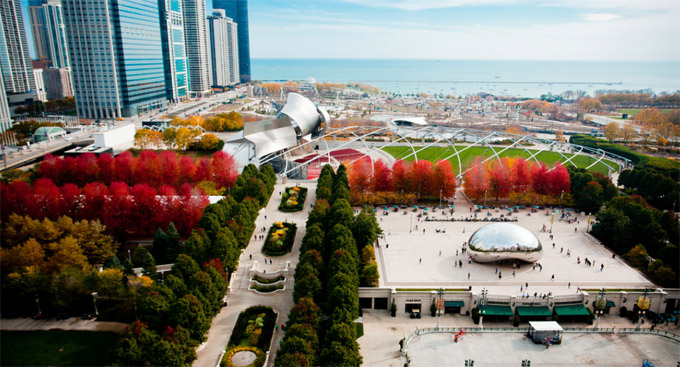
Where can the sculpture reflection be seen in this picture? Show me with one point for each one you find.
(501, 241)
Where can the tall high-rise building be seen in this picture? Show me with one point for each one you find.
(5, 117)
(40, 90)
(57, 83)
(174, 49)
(238, 11)
(15, 60)
(116, 56)
(198, 53)
(223, 49)
(49, 34)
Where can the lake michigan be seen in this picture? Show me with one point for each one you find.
(466, 77)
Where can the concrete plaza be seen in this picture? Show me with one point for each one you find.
(411, 258)
(510, 349)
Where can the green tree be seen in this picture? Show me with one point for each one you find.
(637, 256)
(341, 213)
(365, 229)
(305, 311)
(188, 312)
(369, 275)
(139, 255)
(173, 245)
(160, 245)
(313, 239)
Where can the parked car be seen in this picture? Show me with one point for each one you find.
(669, 317)
(415, 313)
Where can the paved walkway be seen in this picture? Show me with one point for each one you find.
(239, 297)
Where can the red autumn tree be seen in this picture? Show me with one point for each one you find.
(520, 176)
(106, 168)
(15, 198)
(146, 208)
(443, 179)
(500, 183)
(169, 168)
(558, 180)
(476, 180)
(202, 171)
(187, 169)
(539, 178)
(124, 165)
(46, 200)
(72, 200)
(223, 169)
(95, 195)
(148, 168)
(359, 175)
(382, 176)
(49, 168)
(419, 178)
(399, 176)
(118, 209)
(87, 169)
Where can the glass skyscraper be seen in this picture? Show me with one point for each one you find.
(174, 49)
(238, 11)
(116, 56)
(15, 60)
(49, 34)
(198, 53)
(223, 49)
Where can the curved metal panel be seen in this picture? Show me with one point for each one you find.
(302, 113)
(501, 241)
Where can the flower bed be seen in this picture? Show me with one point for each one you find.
(227, 359)
(266, 288)
(280, 239)
(254, 328)
(293, 199)
(262, 280)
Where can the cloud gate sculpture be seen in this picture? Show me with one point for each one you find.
(502, 241)
(298, 119)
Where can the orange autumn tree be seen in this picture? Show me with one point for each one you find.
(476, 179)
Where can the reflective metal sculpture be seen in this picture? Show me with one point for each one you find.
(299, 118)
(501, 241)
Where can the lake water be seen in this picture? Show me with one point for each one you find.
(464, 77)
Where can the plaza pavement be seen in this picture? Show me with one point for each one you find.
(412, 258)
(239, 297)
(380, 343)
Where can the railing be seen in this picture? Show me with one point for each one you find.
(663, 333)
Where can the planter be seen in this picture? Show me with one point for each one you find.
(280, 239)
(293, 199)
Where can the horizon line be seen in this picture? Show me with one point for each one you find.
(446, 59)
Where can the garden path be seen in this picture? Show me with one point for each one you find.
(239, 297)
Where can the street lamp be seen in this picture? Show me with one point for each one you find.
(598, 314)
(440, 198)
(485, 191)
(641, 314)
(440, 292)
(482, 307)
(94, 302)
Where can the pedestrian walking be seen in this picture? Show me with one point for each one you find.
(521, 288)
(460, 263)
(496, 270)
(569, 285)
(601, 267)
(420, 261)
(456, 252)
(561, 250)
(250, 256)
(468, 276)
(513, 273)
(440, 253)
(553, 245)
(552, 277)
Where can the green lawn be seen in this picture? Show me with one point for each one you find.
(434, 154)
(633, 112)
(56, 348)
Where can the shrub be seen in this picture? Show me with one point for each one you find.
(475, 316)
(267, 288)
(240, 335)
(515, 320)
(623, 311)
(293, 199)
(280, 239)
(262, 280)
(393, 309)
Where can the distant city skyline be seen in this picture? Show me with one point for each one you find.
(626, 30)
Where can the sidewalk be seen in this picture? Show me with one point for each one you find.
(239, 297)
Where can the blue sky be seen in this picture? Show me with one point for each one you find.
(591, 30)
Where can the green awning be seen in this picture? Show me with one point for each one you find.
(454, 304)
(533, 311)
(611, 304)
(573, 310)
(491, 310)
